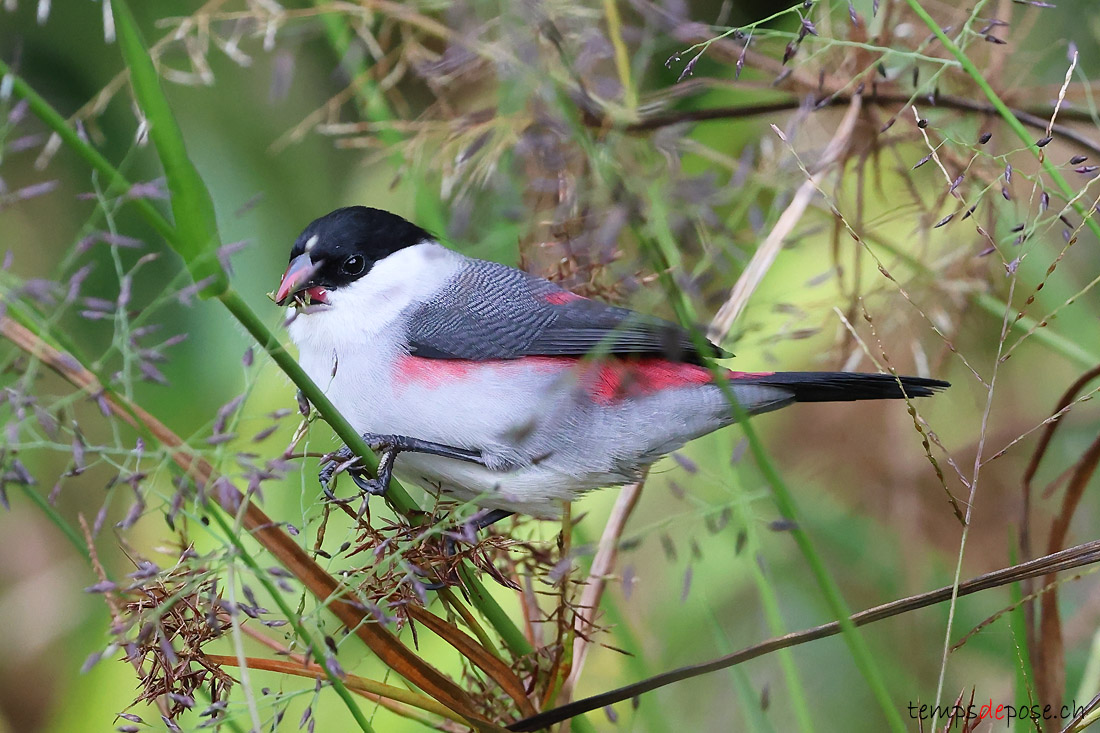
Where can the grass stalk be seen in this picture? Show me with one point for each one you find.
(510, 634)
(353, 682)
(230, 298)
(256, 523)
(58, 521)
(397, 496)
(996, 307)
(857, 645)
(430, 212)
(451, 601)
(773, 615)
(1060, 181)
(315, 646)
(192, 205)
(622, 57)
(662, 243)
(626, 638)
(1057, 562)
(1017, 622)
(1006, 114)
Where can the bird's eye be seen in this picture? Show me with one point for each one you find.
(354, 265)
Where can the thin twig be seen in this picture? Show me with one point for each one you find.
(602, 564)
(1074, 557)
(265, 531)
(1033, 119)
(302, 667)
(765, 254)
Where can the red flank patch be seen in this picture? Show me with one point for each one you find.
(619, 379)
(440, 372)
(605, 382)
(561, 297)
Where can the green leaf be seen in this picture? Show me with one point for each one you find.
(192, 207)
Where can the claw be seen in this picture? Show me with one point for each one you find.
(369, 486)
(380, 484)
(389, 446)
(326, 475)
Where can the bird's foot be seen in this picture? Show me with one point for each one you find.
(388, 446)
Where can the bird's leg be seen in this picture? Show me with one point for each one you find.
(470, 529)
(478, 522)
(388, 446)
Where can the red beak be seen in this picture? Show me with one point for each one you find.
(298, 278)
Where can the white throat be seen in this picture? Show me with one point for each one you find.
(359, 312)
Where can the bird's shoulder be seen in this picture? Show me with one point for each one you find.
(487, 310)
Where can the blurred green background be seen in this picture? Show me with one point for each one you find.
(698, 561)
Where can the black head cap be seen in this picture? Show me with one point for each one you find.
(345, 244)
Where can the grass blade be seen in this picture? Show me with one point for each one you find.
(192, 206)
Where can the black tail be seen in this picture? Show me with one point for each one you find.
(846, 386)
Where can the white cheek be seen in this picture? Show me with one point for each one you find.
(407, 276)
(363, 310)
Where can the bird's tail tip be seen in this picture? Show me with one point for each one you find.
(847, 386)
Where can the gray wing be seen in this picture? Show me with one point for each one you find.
(491, 311)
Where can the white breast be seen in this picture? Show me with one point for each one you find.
(349, 347)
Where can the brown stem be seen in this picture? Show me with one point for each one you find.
(477, 654)
(384, 694)
(1044, 638)
(657, 121)
(270, 535)
(1073, 557)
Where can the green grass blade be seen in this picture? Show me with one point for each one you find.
(1017, 621)
(232, 300)
(315, 647)
(192, 205)
(432, 214)
(1006, 114)
(971, 70)
(660, 246)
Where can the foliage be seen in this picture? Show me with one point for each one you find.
(922, 202)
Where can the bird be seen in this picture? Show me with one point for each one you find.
(494, 386)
